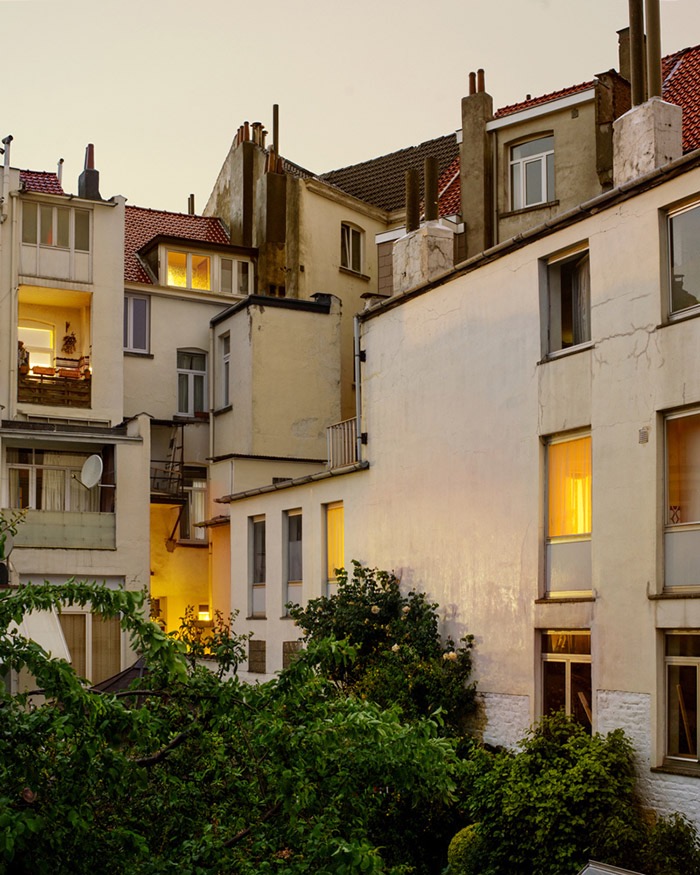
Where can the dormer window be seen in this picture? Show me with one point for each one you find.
(207, 273)
(188, 270)
(532, 173)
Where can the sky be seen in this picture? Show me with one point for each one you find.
(161, 86)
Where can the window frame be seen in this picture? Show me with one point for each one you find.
(70, 472)
(38, 221)
(347, 249)
(195, 486)
(676, 759)
(257, 555)
(569, 658)
(294, 585)
(557, 440)
(225, 360)
(129, 345)
(554, 315)
(192, 375)
(679, 313)
(518, 198)
(89, 655)
(241, 272)
(330, 510)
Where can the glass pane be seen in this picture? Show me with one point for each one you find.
(259, 551)
(550, 178)
(50, 489)
(177, 269)
(243, 277)
(226, 275)
(29, 215)
(345, 246)
(356, 250)
(106, 647)
(62, 225)
(683, 474)
(335, 539)
(294, 546)
(533, 183)
(515, 187)
(73, 626)
(683, 711)
(566, 642)
(183, 395)
(581, 693)
(553, 687)
(201, 278)
(19, 487)
(199, 399)
(685, 259)
(139, 323)
(532, 147)
(82, 230)
(46, 221)
(683, 645)
(569, 472)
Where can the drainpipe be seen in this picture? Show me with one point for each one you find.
(358, 387)
(637, 51)
(5, 177)
(14, 286)
(653, 17)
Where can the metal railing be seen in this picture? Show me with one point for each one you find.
(342, 443)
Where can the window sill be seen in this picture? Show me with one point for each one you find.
(220, 410)
(675, 594)
(139, 354)
(355, 273)
(531, 209)
(256, 617)
(676, 767)
(189, 417)
(681, 316)
(563, 353)
(565, 599)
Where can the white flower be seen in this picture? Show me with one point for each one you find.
(406, 608)
(375, 609)
(451, 655)
(395, 648)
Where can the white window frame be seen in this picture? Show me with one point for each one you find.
(195, 490)
(543, 158)
(688, 760)
(69, 474)
(192, 375)
(568, 659)
(241, 276)
(558, 267)
(690, 308)
(257, 587)
(48, 353)
(89, 616)
(36, 225)
(129, 345)
(225, 358)
(348, 234)
(188, 269)
(294, 586)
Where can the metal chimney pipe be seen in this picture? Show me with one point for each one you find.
(480, 85)
(412, 200)
(190, 205)
(59, 171)
(637, 51)
(276, 128)
(430, 175)
(472, 83)
(653, 17)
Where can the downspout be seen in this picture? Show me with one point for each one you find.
(496, 237)
(358, 356)
(5, 177)
(14, 287)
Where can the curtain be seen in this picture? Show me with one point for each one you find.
(581, 295)
(569, 485)
(335, 537)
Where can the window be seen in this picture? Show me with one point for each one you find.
(235, 276)
(136, 323)
(195, 508)
(94, 643)
(225, 387)
(39, 343)
(569, 301)
(566, 675)
(61, 227)
(294, 557)
(335, 543)
(684, 240)
(258, 550)
(682, 660)
(351, 247)
(568, 505)
(682, 534)
(48, 480)
(191, 382)
(189, 270)
(532, 173)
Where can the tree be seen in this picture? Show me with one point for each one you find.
(197, 773)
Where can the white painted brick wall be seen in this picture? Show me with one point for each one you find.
(632, 713)
(507, 718)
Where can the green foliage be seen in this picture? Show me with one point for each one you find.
(9, 523)
(197, 773)
(563, 798)
(400, 657)
(215, 644)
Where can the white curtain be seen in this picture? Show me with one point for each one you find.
(581, 288)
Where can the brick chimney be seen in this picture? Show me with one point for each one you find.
(89, 180)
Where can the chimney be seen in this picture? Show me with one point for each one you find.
(476, 165)
(89, 180)
(59, 171)
(190, 205)
(412, 200)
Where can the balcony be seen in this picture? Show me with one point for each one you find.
(65, 529)
(167, 481)
(342, 443)
(57, 387)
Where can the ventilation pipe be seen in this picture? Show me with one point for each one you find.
(637, 51)
(5, 176)
(431, 188)
(59, 171)
(653, 18)
(190, 205)
(412, 201)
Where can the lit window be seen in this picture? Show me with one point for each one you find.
(682, 678)
(566, 675)
(188, 270)
(569, 301)
(684, 241)
(136, 323)
(335, 542)
(94, 644)
(569, 488)
(258, 555)
(294, 557)
(61, 227)
(191, 382)
(351, 247)
(682, 536)
(532, 173)
(39, 343)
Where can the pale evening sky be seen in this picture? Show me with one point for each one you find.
(160, 86)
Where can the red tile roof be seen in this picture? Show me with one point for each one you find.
(544, 98)
(142, 225)
(40, 181)
(449, 190)
(681, 85)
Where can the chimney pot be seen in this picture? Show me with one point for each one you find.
(480, 85)
(89, 179)
(472, 83)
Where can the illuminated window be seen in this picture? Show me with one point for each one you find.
(39, 343)
(683, 469)
(566, 675)
(61, 227)
(532, 173)
(682, 660)
(335, 542)
(136, 323)
(684, 244)
(258, 555)
(187, 270)
(191, 382)
(351, 239)
(569, 301)
(569, 488)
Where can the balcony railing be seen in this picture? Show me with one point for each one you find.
(166, 478)
(54, 390)
(342, 443)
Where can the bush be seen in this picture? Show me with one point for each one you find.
(672, 846)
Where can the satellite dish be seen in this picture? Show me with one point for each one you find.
(91, 471)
